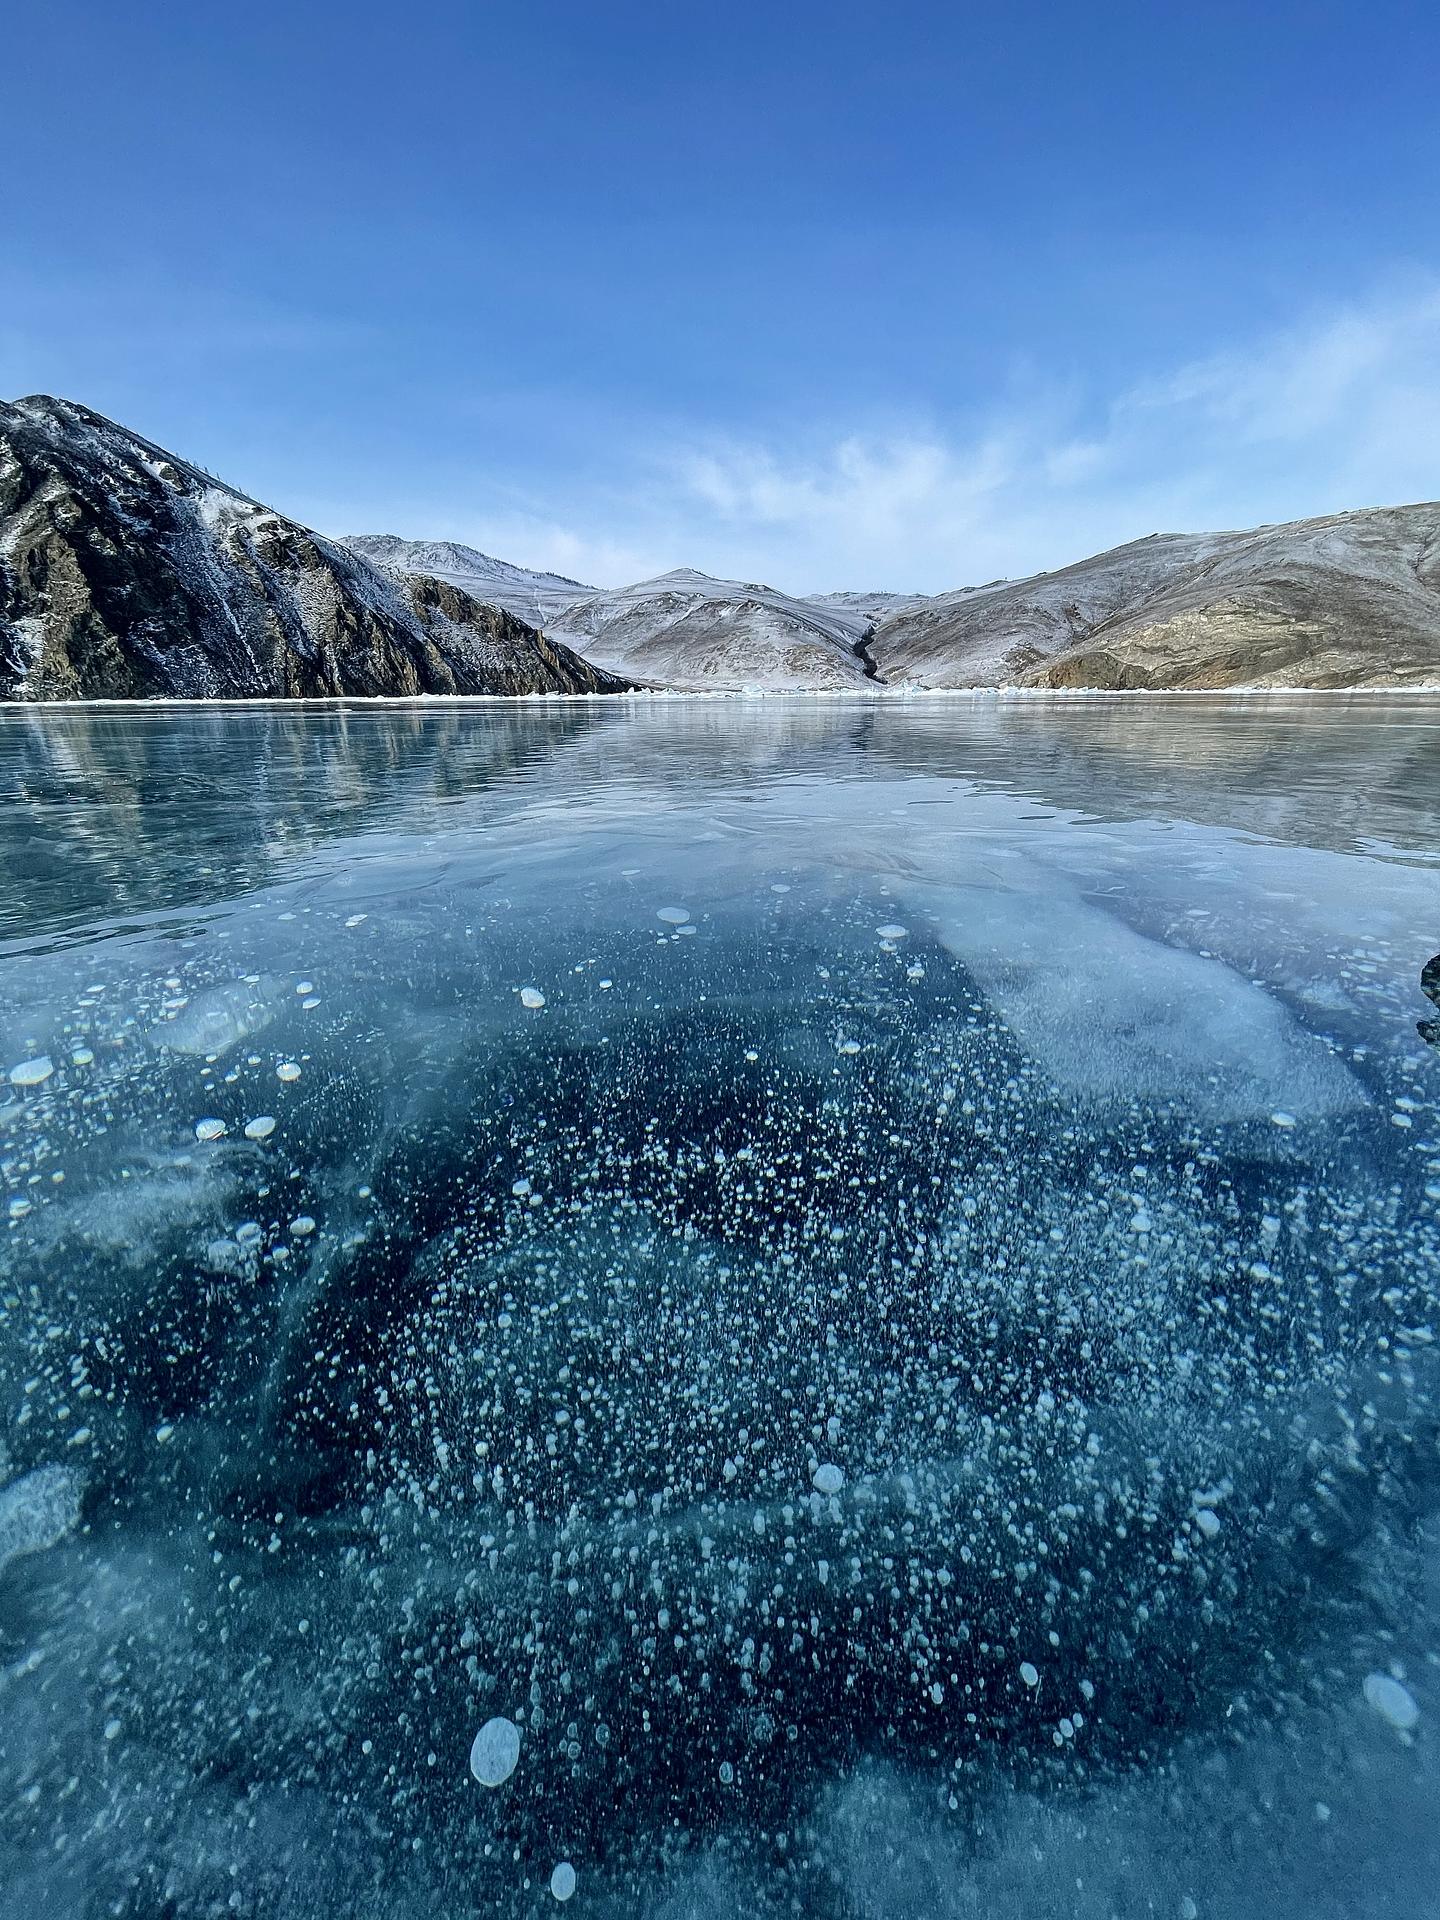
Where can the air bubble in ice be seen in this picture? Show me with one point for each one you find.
(1394, 1704)
(30, 1073)
(562, 1880)
(495, 1752)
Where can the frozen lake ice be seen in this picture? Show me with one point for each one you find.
(710, 1307)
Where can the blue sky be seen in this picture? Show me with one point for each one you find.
(891, 295)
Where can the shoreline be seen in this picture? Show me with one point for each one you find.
(865, 695)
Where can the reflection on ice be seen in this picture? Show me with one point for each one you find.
(839, 1396)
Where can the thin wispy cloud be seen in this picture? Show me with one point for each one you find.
(1340, 410)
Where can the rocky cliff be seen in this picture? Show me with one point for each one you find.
(127, 573)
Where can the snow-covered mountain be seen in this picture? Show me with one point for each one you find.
(1350, 599)
(538, 598)
(126, 572)
(685, 629)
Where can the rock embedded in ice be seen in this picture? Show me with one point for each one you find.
(531, 997)
(30, 1073)
(495, 1752)
(1394, 1703)
(827, 1478)
(209, 1129)
(261, 1127)
(676, 916)
(562, 1880)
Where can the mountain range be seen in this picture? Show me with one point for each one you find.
(127, 572)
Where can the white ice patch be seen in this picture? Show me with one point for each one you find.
(37, 1511)
(220, 1018)
(1117, 1017)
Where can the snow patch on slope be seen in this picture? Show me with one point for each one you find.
(536, 597)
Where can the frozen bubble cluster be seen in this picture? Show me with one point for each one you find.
(917, 1398)
(38, 1510)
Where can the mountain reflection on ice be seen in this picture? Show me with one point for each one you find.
(898, 1377)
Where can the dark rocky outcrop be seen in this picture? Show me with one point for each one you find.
(127, 573)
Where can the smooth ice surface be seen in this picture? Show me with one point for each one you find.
(853, 1283)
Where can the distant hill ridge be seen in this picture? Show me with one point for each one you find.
(126, 571)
